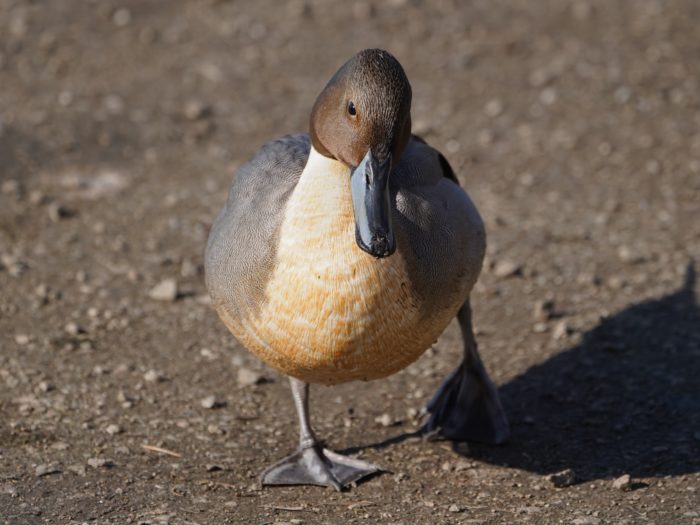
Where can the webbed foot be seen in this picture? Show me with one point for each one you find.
(316, 465)
(467, 407)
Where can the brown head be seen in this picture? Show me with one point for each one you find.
(363, 119)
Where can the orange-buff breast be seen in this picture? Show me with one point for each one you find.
(333, 313)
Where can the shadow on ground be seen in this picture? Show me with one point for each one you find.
(625, 400)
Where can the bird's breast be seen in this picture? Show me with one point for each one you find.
(333, 313)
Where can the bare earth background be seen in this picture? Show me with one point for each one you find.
(574, 125)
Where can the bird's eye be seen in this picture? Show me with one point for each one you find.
(351, 109)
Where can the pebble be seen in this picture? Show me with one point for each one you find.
(195, 109)
(454, 508)
(22, 339)
(113, 429)
(74, 329)
(121, 17)
(624, 482)
(543, 310)
(506, 268)
(210, 402)
(45, 470)
(493, 107)
(385, 420)
(586, 520)
(540, 328)
(58, 212)
(561, 330)
(248, 377)
(154, 376)
(166, 290)
(77, 469)
(100, 463)
(562, 479)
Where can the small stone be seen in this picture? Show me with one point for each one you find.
(45, 386)
(74, 329)
(215, 429)
(57, 212)
(121, 17)
(154, 376)
(562, 479)
(586, 520)
(100, 463)
(385, 420)
(540, 328)
(248, 377)
(624, 482)
(113, 429)
(10, 186)
(210, 402)
(506, 268)
(195, 110)
(77, 469)
(493, 107)
(543, 310)
(561, 330)
(454, 508)
(22, 339)
(166, 290)
(45, 470)
(37, 198)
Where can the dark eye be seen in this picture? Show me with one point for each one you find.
(351, 109)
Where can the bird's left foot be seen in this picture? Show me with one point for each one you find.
(316, 465)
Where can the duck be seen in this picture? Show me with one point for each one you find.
(343, 253)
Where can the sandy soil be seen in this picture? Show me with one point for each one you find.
(574, 125)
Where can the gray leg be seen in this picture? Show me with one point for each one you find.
(466, 406)
(312, 464)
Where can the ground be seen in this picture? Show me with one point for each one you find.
(574, 126)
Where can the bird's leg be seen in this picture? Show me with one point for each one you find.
(466, 406)
(312, 464)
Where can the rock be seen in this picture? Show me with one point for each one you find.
(248, 377)
(121, 17)
(22, 339)
(562, 479)
(540, 328)
(385, 420)
(624, 482)
(113, 429)
(454, 508)
(57, 212)
(74, 329)
(100, 463)
(586, 520)
(154, 376)
(561, 330)
(166, 290)
(493, 107)
(195, 110)
(543, 310)
(210, 402)
(45, 470)
(77, 469)
(506, 268)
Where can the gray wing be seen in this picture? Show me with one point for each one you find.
(241, 247)
(438, 224)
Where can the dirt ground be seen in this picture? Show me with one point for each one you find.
(575, 127)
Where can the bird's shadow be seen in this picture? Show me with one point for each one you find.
(624, 400)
